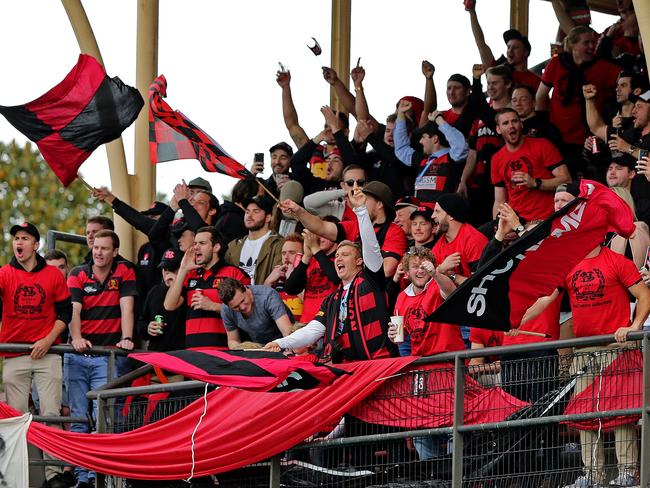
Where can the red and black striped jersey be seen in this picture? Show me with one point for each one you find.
(204, 328)
(101, 316)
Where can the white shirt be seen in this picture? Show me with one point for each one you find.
(249, 253)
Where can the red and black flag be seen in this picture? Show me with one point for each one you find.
(499, 293)
(84, 111)
(173, 136)
(248, 370)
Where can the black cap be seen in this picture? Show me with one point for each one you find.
(27, 227)
(515, 34)
(171, 259)
(200, 183)
(179, 227)
(573, 188)
(423, 211)
(284, 146)
(455, 206)
(265, 202)
(462, 79)
(156, 208)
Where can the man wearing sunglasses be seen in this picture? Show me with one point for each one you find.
(335, 202)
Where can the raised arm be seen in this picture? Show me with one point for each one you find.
(174, 297)
(458, 147)
(312, 223)
(487, 58)
(127, 212)
(297, 133)
(430, 95)
(566, 24)
(360, 103)
(596, 123)
(345, 97)
(371, 251)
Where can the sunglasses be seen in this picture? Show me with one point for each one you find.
(351, 183)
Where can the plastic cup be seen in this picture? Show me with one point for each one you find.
(398, 320)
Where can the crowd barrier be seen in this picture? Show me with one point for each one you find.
(449, 424)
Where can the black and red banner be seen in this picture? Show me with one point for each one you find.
(173, 136)
(497, 295)
(248, 370)
(87, 109)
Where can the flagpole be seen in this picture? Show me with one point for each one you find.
(268, 191)
(534, 334)
(85, 183)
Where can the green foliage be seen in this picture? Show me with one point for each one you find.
(30, 191)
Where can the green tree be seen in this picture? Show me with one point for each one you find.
(30, 191)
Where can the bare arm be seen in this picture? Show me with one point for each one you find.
(430, 95)
(78, 342)
(297, 133)
(174, 298)
(345, 97)
(542, 100)
(234, 340)
(500, 196)
(642, 294)
(312, 223)
(537, 308)
(284, 325)
(566, 24)
(360, 103)
(470, 165)
(127, 305)
(487, 58)
(596, 123)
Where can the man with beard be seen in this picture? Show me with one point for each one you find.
(261, 250)
(195, 286)
(281, 154)
(526, 171)
(103, 295)
(35, 309)
(352, 320)
(170, 335)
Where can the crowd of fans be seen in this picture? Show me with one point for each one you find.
(349, 231)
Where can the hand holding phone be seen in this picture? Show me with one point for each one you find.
(258, 163)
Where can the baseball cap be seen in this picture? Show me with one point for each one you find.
(515, 34)
(171, 259)
(200, 183)
(423, 211)
(27, 227)
(179, 227)
(407, 201)
(644, 97)
(156, 208)
(292, 190)
(265, 202)
(284, 146)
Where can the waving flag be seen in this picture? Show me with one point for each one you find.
(248, 370)
(174, 136)
(497, 295)
(87, 109)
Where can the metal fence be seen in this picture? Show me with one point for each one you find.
(533, 419)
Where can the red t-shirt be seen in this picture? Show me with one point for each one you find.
(598, 292)
(527, 78)
(537, 157)
(427, 338)
(487, 338)
(317, 288)
(569, 118)
(28, 299)
(392, 238)
(468, 242)
(548, 322)
(204, 328)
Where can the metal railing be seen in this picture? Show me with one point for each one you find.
(468, 454)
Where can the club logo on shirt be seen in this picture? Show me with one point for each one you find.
(192, 283)
(90, 289)
(522, 164)
(29, 299)
(215, 283)
(113, 284)
(588, 285)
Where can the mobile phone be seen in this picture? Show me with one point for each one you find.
(643, 153)
(259, 158)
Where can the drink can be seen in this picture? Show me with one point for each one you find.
(159, 319)
(594, 145)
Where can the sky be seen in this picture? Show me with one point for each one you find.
(220, 60)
